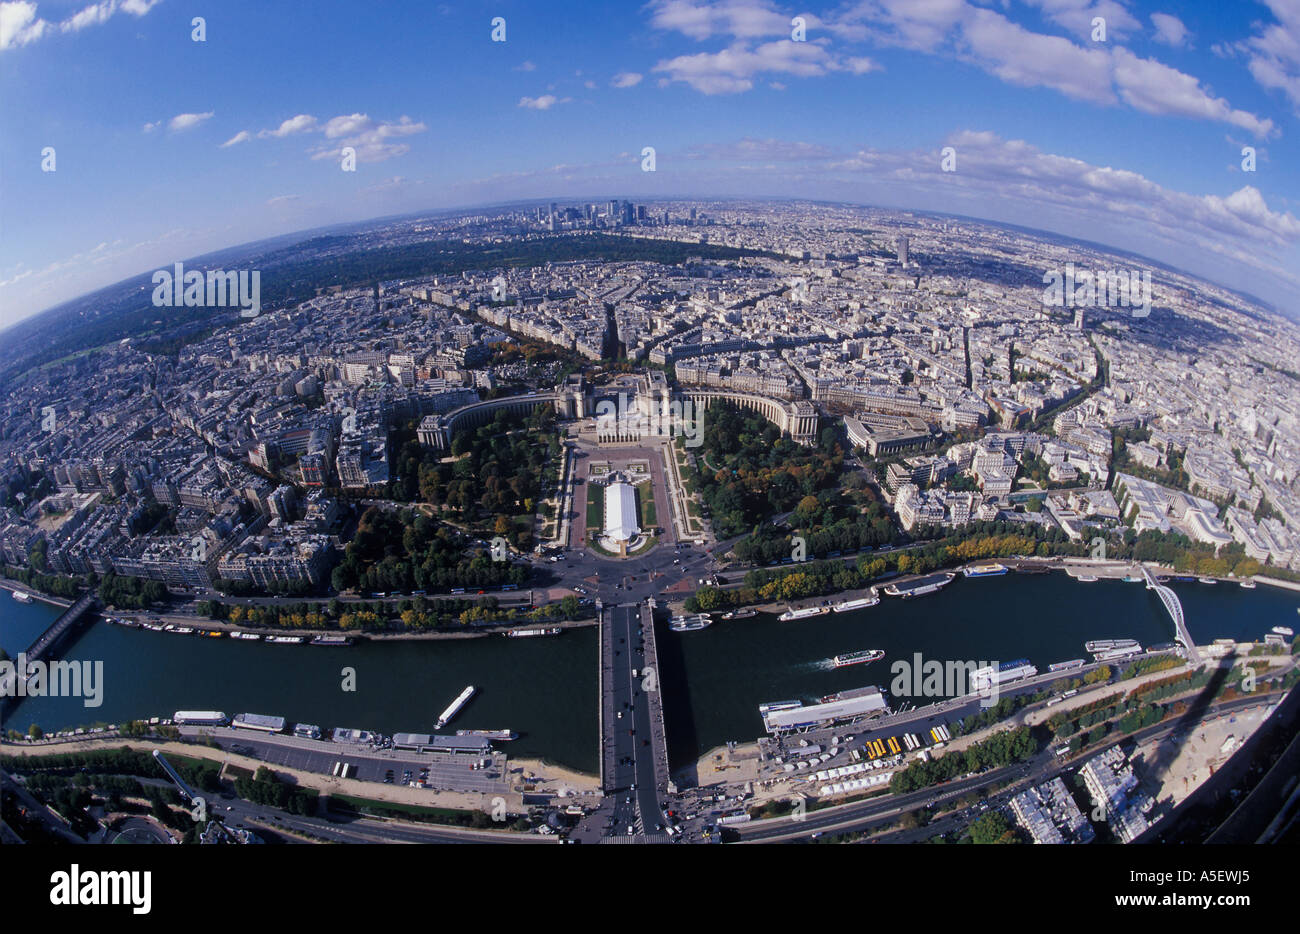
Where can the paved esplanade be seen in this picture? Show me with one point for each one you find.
(634, 754)
(1175, 608)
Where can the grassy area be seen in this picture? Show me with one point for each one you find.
(646, 500)
(595, 505)
(646, 546)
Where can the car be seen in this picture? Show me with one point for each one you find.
(620, 715)
(630, 830)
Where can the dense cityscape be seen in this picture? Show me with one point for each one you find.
(345, 467)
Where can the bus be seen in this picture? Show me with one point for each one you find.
(879, 747)
(893, 746)
(509, 586)
(457, 590)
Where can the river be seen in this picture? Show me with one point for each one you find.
(545, 688)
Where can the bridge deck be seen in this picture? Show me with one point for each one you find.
(1175, 610)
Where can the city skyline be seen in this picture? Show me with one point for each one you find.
(1048, 128)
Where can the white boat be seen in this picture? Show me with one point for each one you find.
(183, 630)
(499, 735)
(285, 640)
(22, 596)
(740, 614)
(527, 633)
(805, 613)
(1088, 578)
(1283, 631)
(690, 623)
(858, 658)
(844, 606)
(454, 707)
(985, 570)
(1207, 580)
(246, 636)
(1248, 585)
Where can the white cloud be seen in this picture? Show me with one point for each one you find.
(964, 31)
(242, 136)
(525, 66)
(279, 200)
(372, 140)
(744, 19)
(545, 102)
(182, 122)
(19, 24)
(347, 125)
(1155, 88)
(1015, 169)
(1274, 52)
(150, 127)
(626, 79)
(733, 69)
(1169, 29)
(299, 124)
(1077, 16)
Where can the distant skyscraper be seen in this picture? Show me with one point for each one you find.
(902, 251)
(612, 213)
(692, 215)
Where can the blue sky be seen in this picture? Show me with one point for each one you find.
(166, 148)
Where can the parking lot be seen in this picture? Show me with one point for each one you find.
(445, 771)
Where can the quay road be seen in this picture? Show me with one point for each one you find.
(341, 828)
(1041, 768)
(634, 765)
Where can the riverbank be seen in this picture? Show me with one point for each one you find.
(16, 587)
(201, 622)
(325, 784)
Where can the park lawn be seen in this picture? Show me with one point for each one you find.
(595, 506)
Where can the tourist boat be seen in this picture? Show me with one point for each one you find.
(858, 658)
(1207, 580)
(182, 630)
(690, 623)
(805, 613)
(985, 570)
(498, 735)
(22, 596)
(740, 614)
(455, 707)
(331, 640)
(1248, 585)
(285, 640)
(1088, 578)
(1283, 631)
(528, 633)
(921, 585)
(246, 636)
(1108, 645)
(845, 606)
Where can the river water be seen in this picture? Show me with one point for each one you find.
(546, 688)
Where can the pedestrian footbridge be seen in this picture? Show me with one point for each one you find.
(1175, 608)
